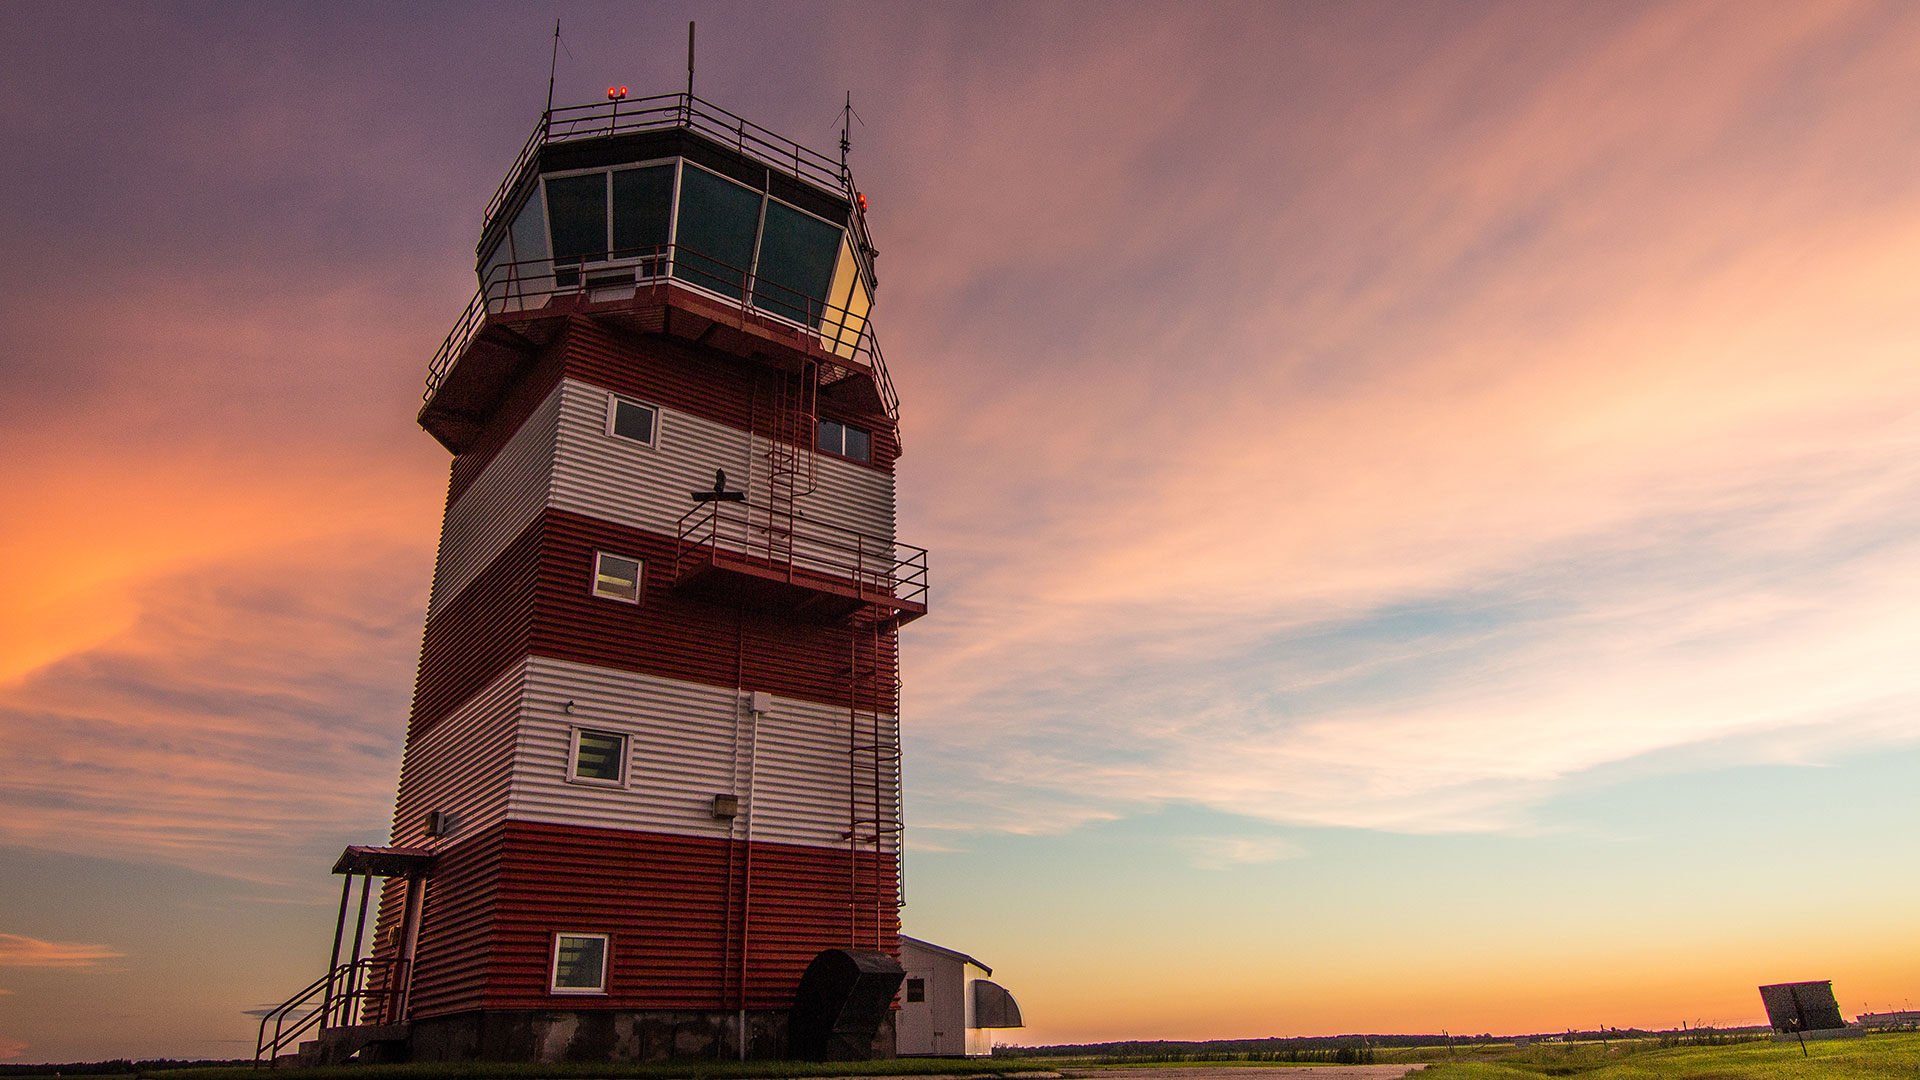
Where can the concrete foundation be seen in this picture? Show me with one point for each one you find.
(553, 1036)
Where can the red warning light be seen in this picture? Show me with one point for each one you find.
(616, 93)
(863, 201)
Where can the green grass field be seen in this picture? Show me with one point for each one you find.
(1872, 1058)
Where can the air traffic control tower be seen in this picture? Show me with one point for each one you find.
(651, 783)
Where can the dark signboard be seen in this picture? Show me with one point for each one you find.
(1802, 1006)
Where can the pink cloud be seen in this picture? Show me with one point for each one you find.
(26, 952)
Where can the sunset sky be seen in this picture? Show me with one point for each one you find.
(1424, 500)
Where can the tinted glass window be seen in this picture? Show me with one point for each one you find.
(859, 446)
(718, 220)
(616, 577)
(916, 989)
(579, 962)
(852, 442)
(797, 254)
(600, 756)
(632, 420)
(529, 229)
(642, 202)
(578, 211)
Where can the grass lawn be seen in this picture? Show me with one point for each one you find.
(1871, 1058)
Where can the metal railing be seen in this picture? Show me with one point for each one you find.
(878, 569)
(532, 284)
(665, 111)
(343, 997)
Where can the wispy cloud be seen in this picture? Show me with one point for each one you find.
(1573, 435)
(26, 952)
(1225, 852)
(250, 710)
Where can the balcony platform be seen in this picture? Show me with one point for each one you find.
(499, 340)
(727, 576)
(736, 552)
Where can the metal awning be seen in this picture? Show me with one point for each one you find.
(385, 861)
(993, 1007)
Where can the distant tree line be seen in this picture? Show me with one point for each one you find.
(1359, 1049)
(1343, 1050)
(117, 1067)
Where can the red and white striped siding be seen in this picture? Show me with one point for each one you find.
(562, 457)
(514, 636)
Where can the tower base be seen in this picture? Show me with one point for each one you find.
(557, 1035)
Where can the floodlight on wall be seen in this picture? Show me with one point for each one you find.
(726, 807)
(439, 823)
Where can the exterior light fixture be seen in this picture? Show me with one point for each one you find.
(616, 93)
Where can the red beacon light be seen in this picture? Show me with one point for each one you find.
(862, 196)
(616, 93)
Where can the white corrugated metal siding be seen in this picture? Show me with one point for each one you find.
(682, 746)
(647, 487)
(508, 494)
(462, 765)
(563, 457)
(622, 481)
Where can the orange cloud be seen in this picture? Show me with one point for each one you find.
(26, 952)
(251, 710)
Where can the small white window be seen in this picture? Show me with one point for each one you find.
(616, 577)
(597, 757)
(627, 419)
(580, 963)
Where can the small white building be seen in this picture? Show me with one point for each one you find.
(948, 1007)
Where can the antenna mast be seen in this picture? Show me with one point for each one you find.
(846, 133)
(689, 63)
(546, 118)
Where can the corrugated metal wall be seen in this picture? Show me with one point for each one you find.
(497, 507)
(514, 634)
(682, 738)
(526, 395)
(562, 456)
(479, 633)
(458, 934)
(463, 765)
(664, 901)
(702, 382)
(534, 599)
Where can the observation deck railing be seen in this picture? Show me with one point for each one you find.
(661, 112)
(870, 568)
(530, 285)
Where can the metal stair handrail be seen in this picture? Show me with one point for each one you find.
(344, 994)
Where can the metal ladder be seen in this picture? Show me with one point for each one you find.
(791, 429)
(873, 776)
